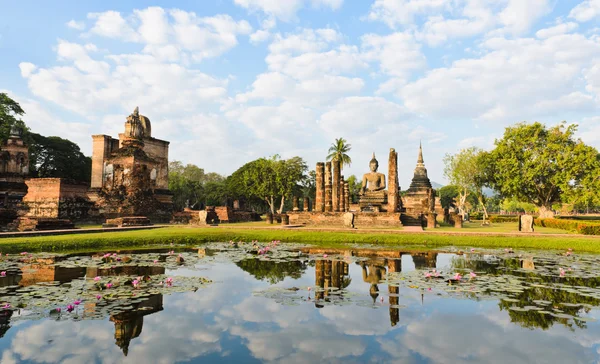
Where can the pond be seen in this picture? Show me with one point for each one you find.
(249, 302)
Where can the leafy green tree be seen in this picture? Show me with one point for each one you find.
(57, 157)
(354, 185)
(541, 165)
(447, 196)
(464, 170)
(190, 184)
(339, 151)
(269, 179)
(10, 110)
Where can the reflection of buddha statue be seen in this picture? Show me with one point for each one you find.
(372, 192)
(373, 275)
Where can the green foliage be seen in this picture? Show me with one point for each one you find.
(191, 184)
(464, 170)
(354, 185)
(339, 150)
(585, 228)
(514, 205)
(9, 112)
(500, 219)
(541, 165)
(272, 271)
(447, 196)
(269, 179)
(57, 157)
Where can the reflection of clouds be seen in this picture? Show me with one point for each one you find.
(352, 320)
(264, 310)
(305, 342)
(453, 338)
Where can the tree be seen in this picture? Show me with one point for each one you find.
(338, 151)
(9, 110)
(541, 165)
(447, 195)
(268, 179)
(354, 185)
(464, 171)
(191, 184)
(57, 157)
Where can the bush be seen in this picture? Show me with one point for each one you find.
(503, 218)
(586, 228)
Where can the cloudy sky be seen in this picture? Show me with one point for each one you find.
(229, 81)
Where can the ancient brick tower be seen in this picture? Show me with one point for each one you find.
(130, 174)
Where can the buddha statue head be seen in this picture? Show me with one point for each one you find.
(374, 164)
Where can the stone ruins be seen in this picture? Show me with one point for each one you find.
(130, 175)
(377, 206)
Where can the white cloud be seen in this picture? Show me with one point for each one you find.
(558, 29)
(402, 12)
(398, 54)
(286, 10)
(508, 81)
(27, 68)
(112, 25)
(519, 15)
(585, 11)
(77, 25)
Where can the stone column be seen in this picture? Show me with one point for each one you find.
(295, 203)
(335, 187)
(431, 220)
(342, 195)
(320, 185)
(347, 196)
(393, 187)
(306, 204)
(328, 197)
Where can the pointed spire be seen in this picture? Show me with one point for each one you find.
(420, 159)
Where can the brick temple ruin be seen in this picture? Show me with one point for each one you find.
(130, 175)
(377, 206)
(129, 183)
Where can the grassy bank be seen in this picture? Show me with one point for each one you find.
(193, 236)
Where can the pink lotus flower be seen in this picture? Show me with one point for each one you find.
(3, 274)
(114, 254)
(155, 261)
(97, 278)
(428, 275)
(118, 259)
(309, 289)
(457, 276)
(109, 285)
(429, 289)
(324, 255)
(70, 308)
(58, 309)
(472, 275)
(381, 299)
(472, 250)
(562, 272)
(98, 297)
(135, 283)
(171, 252)
(77, 302)
(24, 253)
(169, 281)
(568, 253)
(6, 306)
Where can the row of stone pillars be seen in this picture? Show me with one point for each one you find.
(305, 204)
(333, 193)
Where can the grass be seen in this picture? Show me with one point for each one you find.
(194, 236)
(502, 227)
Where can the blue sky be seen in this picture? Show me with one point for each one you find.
(230, 81)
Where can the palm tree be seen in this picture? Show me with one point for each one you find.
(339, 150)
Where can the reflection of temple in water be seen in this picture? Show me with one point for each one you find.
(334, 273)
(330, 273)
(125, 270)
(128, 325)
(5, 316)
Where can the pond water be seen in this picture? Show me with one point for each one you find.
(245, 303)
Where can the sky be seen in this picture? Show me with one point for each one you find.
(229, 81)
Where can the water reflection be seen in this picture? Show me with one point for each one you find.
(228, 322)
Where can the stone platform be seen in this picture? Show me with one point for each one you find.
(361, 219)
(40, 224)
(127, 221)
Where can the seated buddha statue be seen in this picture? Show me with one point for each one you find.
(372, 192)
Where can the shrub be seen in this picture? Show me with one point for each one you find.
(586, 228)
(503, 218)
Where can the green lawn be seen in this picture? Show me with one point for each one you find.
(193, 236)
(502, 227)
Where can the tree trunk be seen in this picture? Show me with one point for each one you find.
(271, 204)
(546, 212)
(281, 206)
